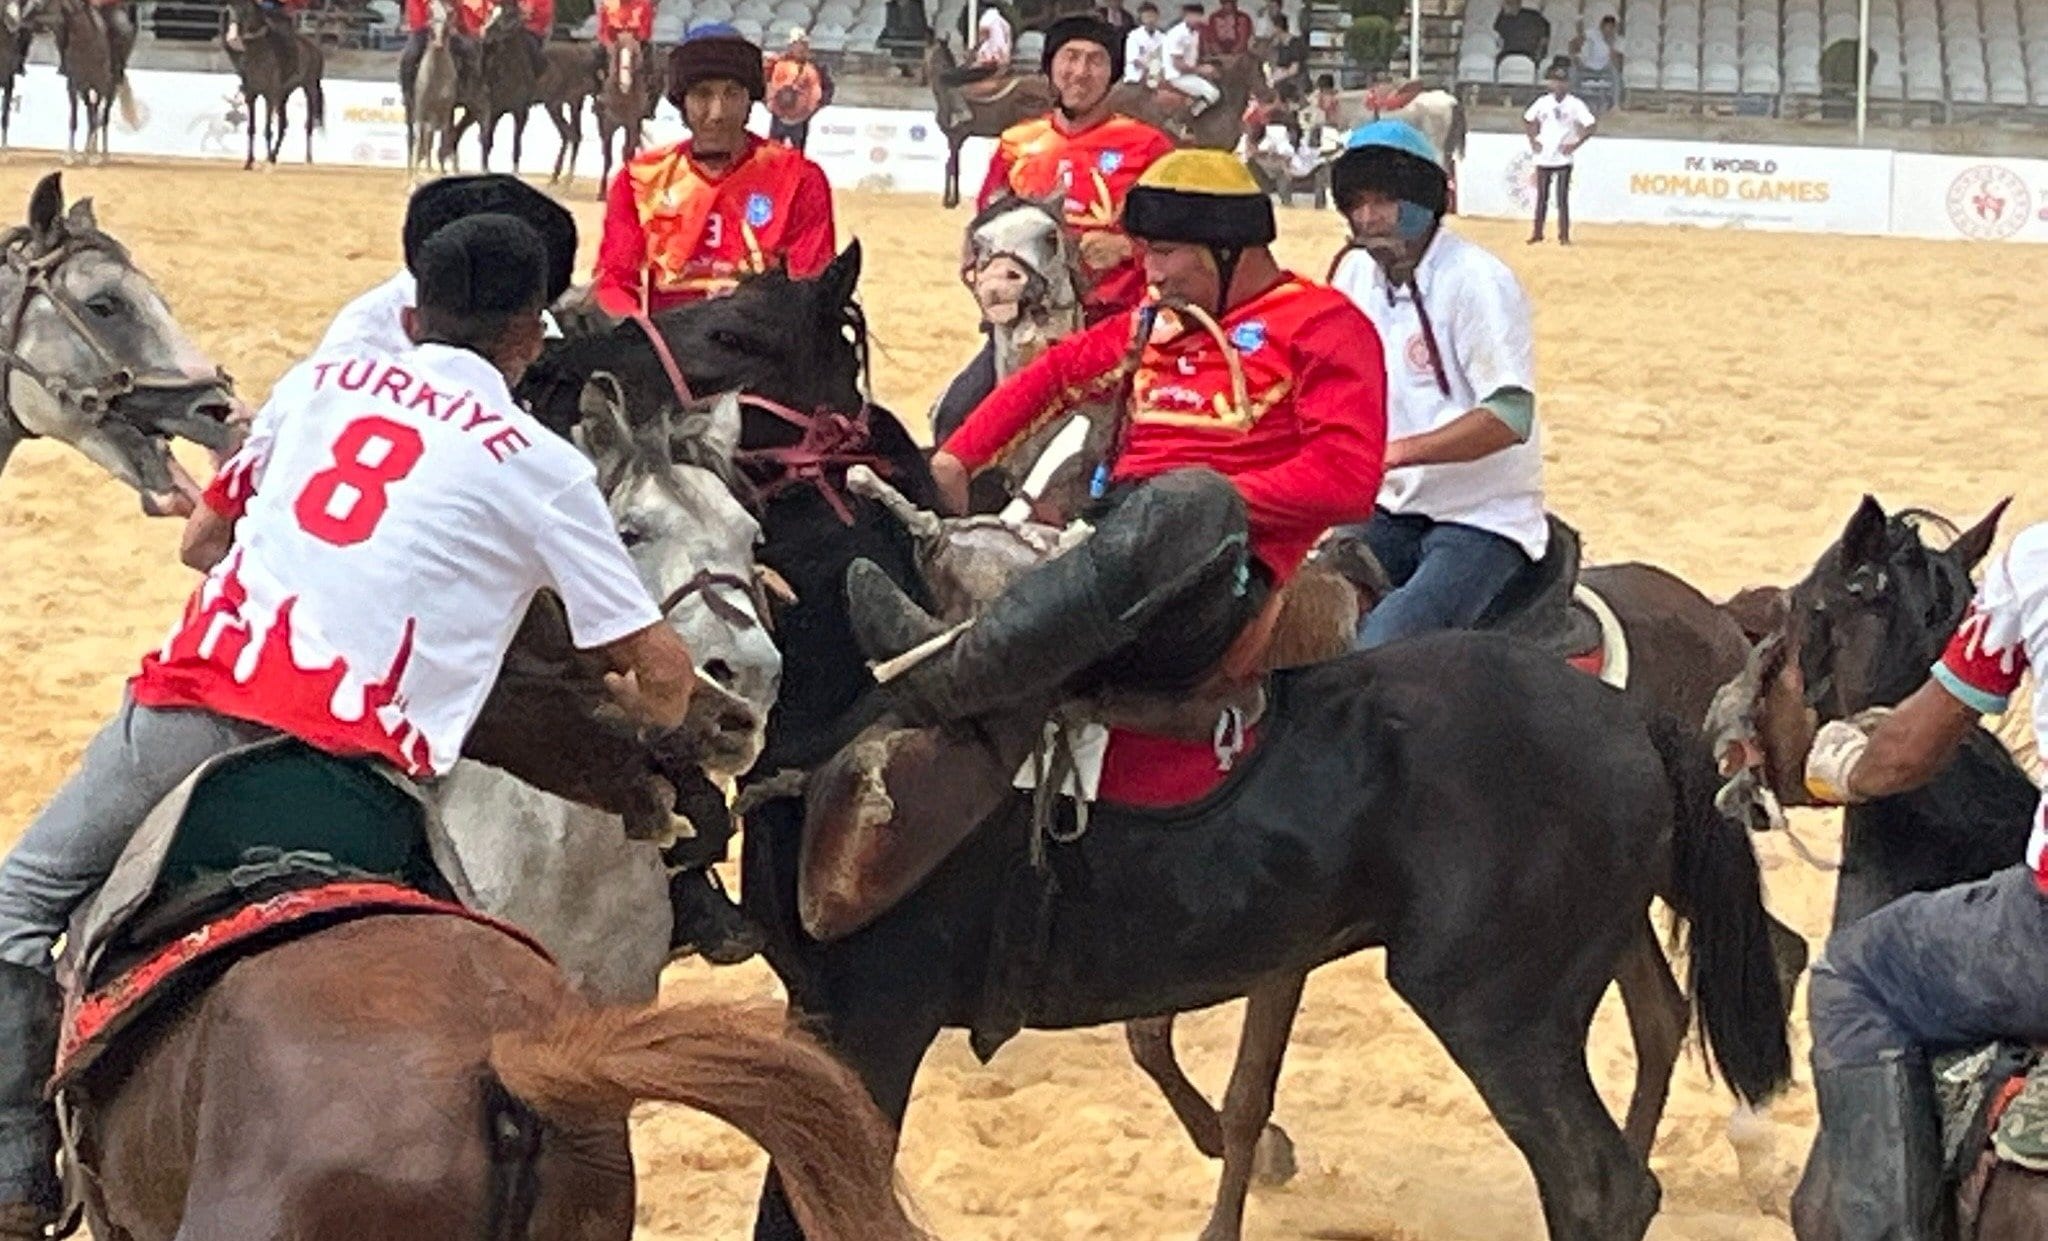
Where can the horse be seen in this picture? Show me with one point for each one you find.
(1436, 112)
(953, 953)
(505, 84)
(980, 110)
(92, 54)
(1240, 78)
(274, 61)
(624, 102)
(1860, 630)
(568, 84)
(431, 96)
(16, 35)
(93, 357)
(569, 874)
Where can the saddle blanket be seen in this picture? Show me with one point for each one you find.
(93, 1019)
(1127, 768)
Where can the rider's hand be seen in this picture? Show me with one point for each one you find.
(951, 478)
(1837, 748)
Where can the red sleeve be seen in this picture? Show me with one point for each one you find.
(643, 24)
(1340, 403)
(415, 14)
(813, 239)
(1079, 368)
(997, 183)
(622, 254)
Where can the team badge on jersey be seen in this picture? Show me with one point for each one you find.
(760, 209)
(1109, 161)
(1249, 336)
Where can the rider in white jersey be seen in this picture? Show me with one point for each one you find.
(1935, 970)
(369, 553)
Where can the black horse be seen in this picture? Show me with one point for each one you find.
(1497, 821)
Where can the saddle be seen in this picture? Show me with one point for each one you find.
(1994, 1110)
(993, 90)
(264, 844)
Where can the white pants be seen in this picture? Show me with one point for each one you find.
(1199, 89)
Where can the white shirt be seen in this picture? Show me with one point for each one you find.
(994, 48)
(372, 320)
(1595, 53)
(1486, 343)
(1183, 49)
(398, 511)
(1558, 121)
(1144, 54)
(2004, 633)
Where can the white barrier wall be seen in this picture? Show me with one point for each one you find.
(1618, 180)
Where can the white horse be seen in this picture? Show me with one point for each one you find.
(567, 874)
(1436, 112)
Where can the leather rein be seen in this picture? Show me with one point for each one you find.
(39, 279)
(829, 441)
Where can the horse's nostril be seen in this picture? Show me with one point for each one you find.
(735, 721)
(719, 672)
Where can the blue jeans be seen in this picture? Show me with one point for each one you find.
(1445, 575)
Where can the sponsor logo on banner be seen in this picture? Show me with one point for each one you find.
(1989, 203)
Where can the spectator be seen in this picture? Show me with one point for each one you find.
(1118, 16)
(1558, 124)
(1228, 33)
(1182, 52)
(1599, 55)
(1145, 48)
(1328, 105)
(797, 87)
(1263, 28)
(1523, 32)
(1290, 55)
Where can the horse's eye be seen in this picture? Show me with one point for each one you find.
(631, 535)
(106, 305)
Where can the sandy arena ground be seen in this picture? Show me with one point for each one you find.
(1716, 402)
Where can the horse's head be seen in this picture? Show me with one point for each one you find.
(92, 355)
(1022, 264)
(1879, 606)
(505, 22)
(672, 488)
(439, 17)
(621, 76)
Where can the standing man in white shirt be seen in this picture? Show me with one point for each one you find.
(1183, 56)
(1460, 515)
(1558, 124)
(1145, 48)
(369, 553)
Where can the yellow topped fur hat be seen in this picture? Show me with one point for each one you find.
(1206, 198)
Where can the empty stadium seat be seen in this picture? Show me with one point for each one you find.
(1516, 71)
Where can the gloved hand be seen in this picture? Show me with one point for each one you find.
(1836, 749)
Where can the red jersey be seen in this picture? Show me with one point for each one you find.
(675, 232)
(614, 16)
(471, 16)
(1226, 33)
(540, 17)
(1100, 165)
(1306, 450)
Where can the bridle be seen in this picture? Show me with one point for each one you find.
(705, 586)
(829, 440)
(95, 398)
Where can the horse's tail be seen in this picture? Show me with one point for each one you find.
(316, 104)
(131, 112)
(832, 1147)
(1717, 888)
(1454, 139)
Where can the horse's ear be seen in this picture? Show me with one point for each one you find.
(1863, 539)
(46, 206)
(80, 219)
(842, 275)
(716, 430)
(1760, 610)
(1972, 545)
(603, 430)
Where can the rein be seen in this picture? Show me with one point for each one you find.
(96, 399)
(703, 584)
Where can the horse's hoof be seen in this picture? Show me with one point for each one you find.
(1273, 1162)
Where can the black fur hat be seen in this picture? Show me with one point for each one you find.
(483, 265)
(1085, 28)
(438, 204)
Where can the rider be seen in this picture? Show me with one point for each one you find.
(419, 21)
(368, 558)
(617, 16)
(1210, 504)
(1099, 154)
(1228, 32)
(1461, 513)
(538, 16)
(1182, 53)
(798, 86)
(689, 221)
(1937, 970)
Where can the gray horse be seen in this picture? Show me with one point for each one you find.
(430, 107)
(91, 355)
(92, 53)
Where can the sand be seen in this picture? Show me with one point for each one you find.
(1716, 402)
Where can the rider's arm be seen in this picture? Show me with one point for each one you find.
(814, 240)
(997, 182)
(622, 254)
(652, 676)
(1340, 400)
(208, 535)
(1083, 367)
(1487, 334)
(1977, 674)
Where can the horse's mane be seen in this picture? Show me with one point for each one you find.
(1010, 201)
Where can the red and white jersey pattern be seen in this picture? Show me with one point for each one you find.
(2002, 635)
(396, 514)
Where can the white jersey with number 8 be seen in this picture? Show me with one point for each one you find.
(397, 512)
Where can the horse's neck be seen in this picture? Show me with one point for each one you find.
(1970, 820)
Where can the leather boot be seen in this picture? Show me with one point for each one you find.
(887, 623)
(707, 921)
(1882, 1137)
(30, 1194)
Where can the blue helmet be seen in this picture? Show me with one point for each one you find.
(1392, 158)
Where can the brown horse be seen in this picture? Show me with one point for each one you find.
(965, 113)
(16, 33)
(504, 85)
(92, 54)
(624, 102)
(1240, 78)
(274, 62)
(571, 81)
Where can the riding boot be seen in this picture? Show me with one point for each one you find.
(1882, 1137)
(30, 1195)
(707, 921)
(886, 622)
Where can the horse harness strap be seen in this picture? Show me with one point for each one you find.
(704, 584)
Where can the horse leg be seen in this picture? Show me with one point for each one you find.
(518, 139)
(1529, 1063)
(1790, 951)
(71, 135)
(1151, 1043)
(1248, 1101)
(953, 174)
(249, 160)
(1657, 1021)
(281, 113)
